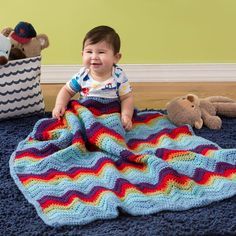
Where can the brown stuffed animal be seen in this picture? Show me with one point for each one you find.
(189, 109)
(25, 41)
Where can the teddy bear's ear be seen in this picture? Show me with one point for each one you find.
(43, 39)
(192, 97)
(6, 32)
(198, 124)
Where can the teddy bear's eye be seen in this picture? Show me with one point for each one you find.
(192, 105)
(23, 49)
(6, 52)
(12, 46)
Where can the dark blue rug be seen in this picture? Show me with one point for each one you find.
(18, 217)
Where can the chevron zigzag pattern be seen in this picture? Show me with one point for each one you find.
(20, 91)
(85, 167)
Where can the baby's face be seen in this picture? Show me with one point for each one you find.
(99, 58)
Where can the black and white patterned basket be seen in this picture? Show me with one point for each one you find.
(20, 91)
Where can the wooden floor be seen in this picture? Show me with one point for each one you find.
(156, 95)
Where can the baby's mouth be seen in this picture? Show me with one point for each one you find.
(96, 65)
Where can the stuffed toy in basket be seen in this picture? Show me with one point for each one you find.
(20, 91)
(5, 47)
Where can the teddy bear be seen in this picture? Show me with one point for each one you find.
(5, 47)
(25, 42)
(195, 111)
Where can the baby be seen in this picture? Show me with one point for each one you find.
(100, 75)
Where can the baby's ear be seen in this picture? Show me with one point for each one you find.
(118, 57)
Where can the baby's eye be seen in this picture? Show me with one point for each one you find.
(101, 52)
(89, 52)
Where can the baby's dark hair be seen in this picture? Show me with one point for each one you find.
(103, 33)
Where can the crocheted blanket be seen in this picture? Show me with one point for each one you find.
(87, 167)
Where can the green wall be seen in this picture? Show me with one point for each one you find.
(152, 31)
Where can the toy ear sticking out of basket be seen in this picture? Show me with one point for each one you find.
(25, 42)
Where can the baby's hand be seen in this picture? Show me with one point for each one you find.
(126, 122)
(58, 111)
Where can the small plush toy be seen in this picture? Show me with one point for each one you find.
(5, 47)
(190, 109)
(25, 41)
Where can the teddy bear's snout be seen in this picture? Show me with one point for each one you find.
(3, 60)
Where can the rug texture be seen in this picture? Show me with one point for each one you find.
(86, 168)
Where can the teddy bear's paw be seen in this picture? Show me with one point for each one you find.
(214, 122)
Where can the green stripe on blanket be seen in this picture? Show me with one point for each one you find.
(86, 166)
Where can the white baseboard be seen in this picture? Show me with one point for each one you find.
(152, 72)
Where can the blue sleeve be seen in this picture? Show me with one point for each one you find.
(74, 84)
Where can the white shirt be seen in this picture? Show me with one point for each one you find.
(117, 85)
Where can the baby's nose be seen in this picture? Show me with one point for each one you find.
(94, 55)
